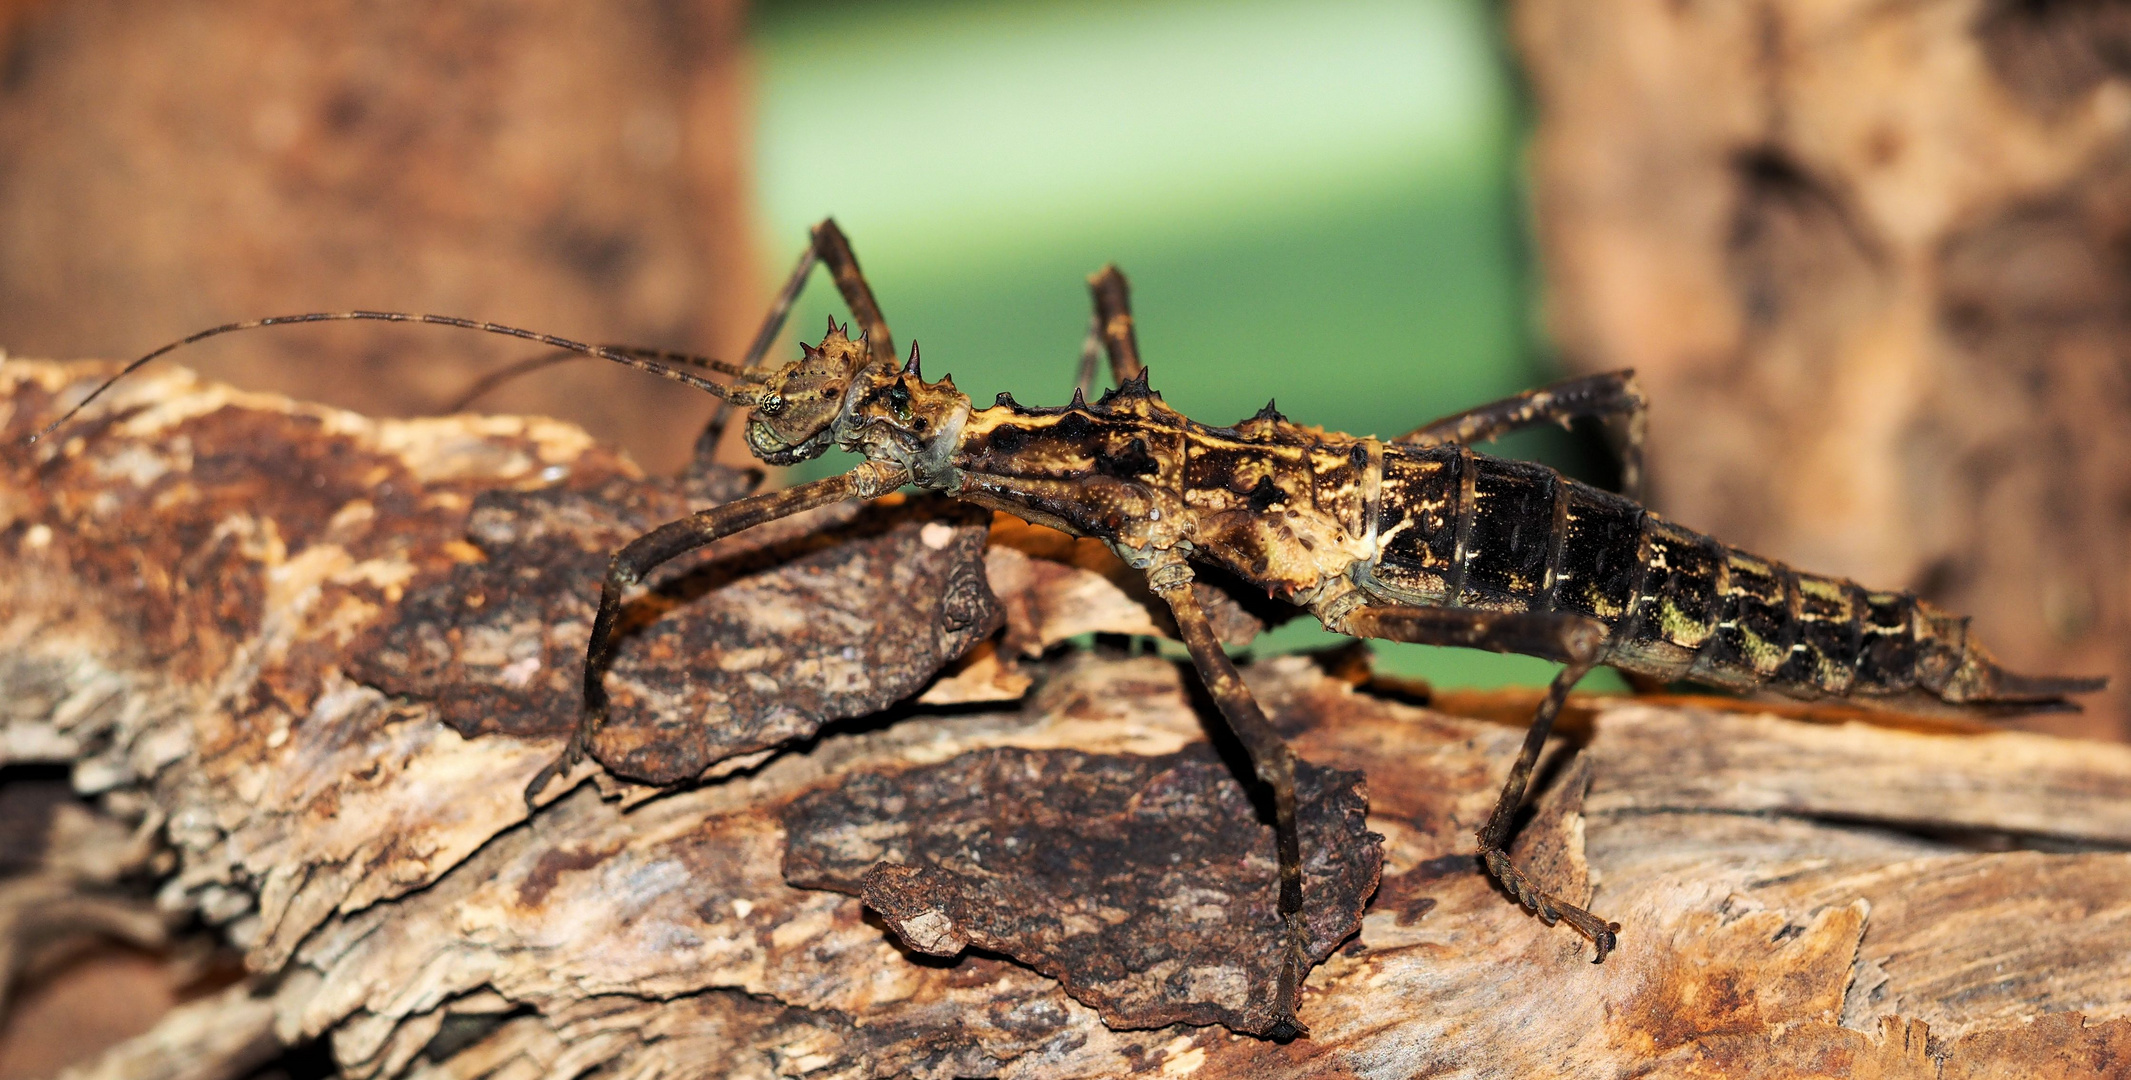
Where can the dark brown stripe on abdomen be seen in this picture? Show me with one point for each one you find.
(1886, 662)
(1677, 610)
(1823, 656)
(1753, 633)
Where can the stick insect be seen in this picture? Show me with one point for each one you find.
(1417, 538)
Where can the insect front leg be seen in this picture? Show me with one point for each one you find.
(1270, 758)
(641, 556)
(1576, 642)
(826, 246)
(1614, 397)
(1111, 328)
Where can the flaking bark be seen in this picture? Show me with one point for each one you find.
(1146, 885)
(187, 594)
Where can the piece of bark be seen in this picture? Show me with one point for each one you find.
(2006, 781)
(1146, 885)
(315, 527)
(376, 864)
(1866, 261)
(220, 1037)
(981, 675)
(734, 653)
(86, 957)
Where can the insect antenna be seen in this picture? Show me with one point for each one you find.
(624, 357)
(513, 371)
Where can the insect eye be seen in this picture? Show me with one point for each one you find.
(771, 405)
(899, 397)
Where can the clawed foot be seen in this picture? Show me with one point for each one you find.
(1550, 908)
(1294, 968)
(573, 752)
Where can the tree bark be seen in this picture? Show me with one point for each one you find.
(188, 580)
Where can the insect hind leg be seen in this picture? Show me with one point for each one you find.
(1576, 642)
(1614, 397)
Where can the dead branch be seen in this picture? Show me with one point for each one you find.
(314, 658)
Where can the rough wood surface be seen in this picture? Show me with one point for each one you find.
(186, 585)
(1867, 259)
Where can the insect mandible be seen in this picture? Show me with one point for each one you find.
(1417, 539)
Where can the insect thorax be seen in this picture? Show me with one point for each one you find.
(1279, 505)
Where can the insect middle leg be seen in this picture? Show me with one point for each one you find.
(1270, 759)
(1613, 397)
(1572, 640)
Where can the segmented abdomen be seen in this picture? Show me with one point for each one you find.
(1457, 528)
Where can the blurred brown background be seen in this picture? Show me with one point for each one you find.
(1873, 262)
(578, 168)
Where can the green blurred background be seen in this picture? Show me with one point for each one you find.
(1317, 203)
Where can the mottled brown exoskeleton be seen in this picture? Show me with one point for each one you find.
(1417, 539)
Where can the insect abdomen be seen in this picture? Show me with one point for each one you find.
(1461, 529)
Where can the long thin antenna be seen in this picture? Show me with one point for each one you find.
(531, 364)
(664, 371)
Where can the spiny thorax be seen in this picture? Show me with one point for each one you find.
(1280, 505)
